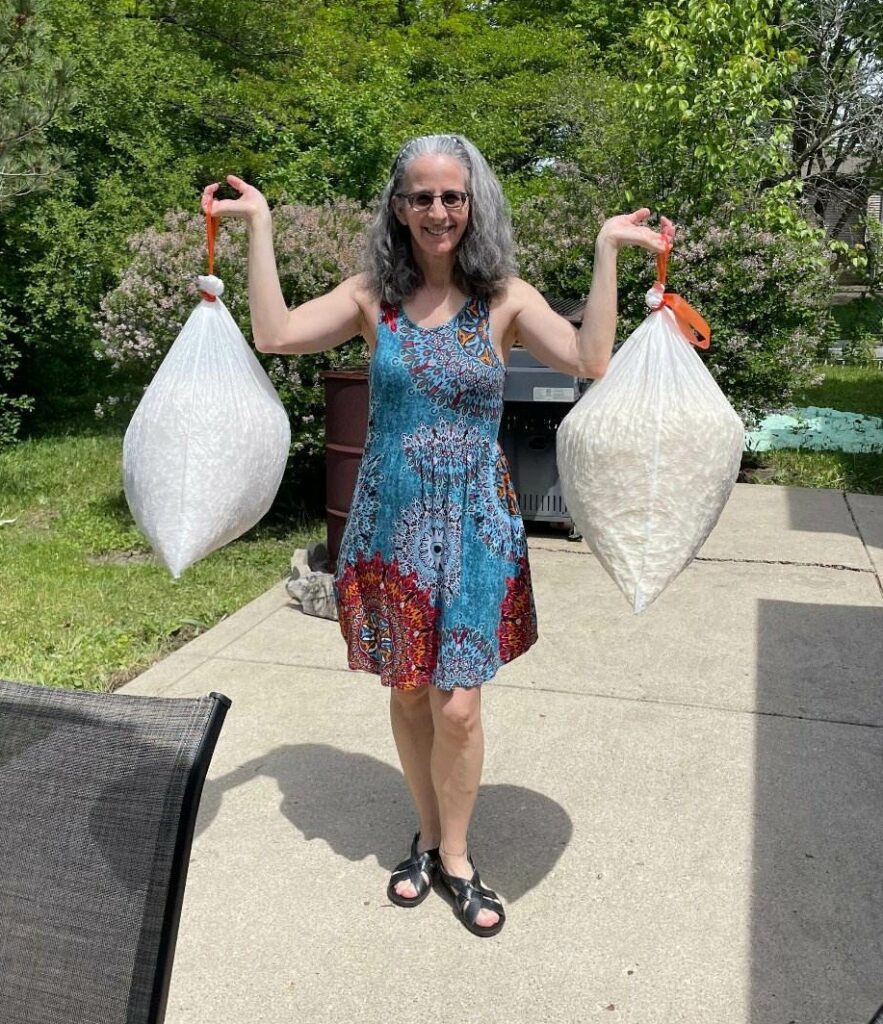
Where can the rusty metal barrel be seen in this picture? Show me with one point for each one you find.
(346, 426)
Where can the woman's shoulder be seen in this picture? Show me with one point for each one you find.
(359, 288)
(512, 296)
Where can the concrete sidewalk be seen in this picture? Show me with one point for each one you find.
(683, 810)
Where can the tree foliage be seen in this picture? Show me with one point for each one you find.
(684, 106)
(836, 128)
(708, 95)
(34, 90)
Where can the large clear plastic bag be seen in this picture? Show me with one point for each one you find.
(649, 455)
(205, 451)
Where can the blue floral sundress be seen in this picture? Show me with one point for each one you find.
(433, 581)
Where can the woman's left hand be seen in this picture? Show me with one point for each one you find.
(630, 229)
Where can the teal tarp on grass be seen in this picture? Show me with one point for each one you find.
(818, 430)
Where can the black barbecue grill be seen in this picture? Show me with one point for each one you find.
(536, 399)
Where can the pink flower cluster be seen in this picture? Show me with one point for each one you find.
(316, 248)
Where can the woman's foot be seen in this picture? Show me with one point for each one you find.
(412, 879)
(459, 868)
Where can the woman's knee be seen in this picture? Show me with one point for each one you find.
(457, 711)
(411, 704)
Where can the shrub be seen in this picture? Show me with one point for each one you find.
(860, 350)
(316, 247)
(11, 406)
(764, 295)
(555, 234)
(860, 316)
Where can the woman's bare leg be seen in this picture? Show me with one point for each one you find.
(457, 758)
(412, 728)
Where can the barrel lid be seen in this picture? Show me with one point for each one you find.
(350, 373)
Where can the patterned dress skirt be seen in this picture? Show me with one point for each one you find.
(433, 581)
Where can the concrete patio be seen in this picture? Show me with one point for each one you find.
(682, 810)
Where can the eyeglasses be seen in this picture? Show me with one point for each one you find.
(422, 201)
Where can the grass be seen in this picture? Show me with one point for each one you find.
(847, 388)
(85, 604)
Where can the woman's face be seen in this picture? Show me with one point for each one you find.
(438, 230)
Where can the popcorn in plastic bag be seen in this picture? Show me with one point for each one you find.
(205, 451)
(649, 455)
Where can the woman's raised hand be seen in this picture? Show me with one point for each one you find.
(250, 205)
(630, 229)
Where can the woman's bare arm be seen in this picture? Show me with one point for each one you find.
(586, 352)
(545, 334)
(314, 326)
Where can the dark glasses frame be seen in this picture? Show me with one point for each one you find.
(462, 198)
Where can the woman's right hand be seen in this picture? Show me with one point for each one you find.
(249, 206)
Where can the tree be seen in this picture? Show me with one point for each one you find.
(34, 88)
(836, 125)
(710, 110)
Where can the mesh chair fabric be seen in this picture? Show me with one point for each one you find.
(91, 795)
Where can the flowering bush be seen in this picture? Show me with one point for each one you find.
(316, 248)
(765, 296)
(555, 234)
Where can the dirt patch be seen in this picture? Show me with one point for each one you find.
(123, 676)
(122, 558)
(36, 518)
(754, 470)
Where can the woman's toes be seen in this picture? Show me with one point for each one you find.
(406, 889)
(487, 918)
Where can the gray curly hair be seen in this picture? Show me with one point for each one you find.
(484, 257)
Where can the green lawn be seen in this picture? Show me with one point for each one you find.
(84, 603)
(850, 389)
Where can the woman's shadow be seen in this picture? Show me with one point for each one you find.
(361, 807)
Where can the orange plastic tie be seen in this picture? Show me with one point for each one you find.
(662, 264)
(692, 325)
(211, 227)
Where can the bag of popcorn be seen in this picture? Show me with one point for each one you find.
(205, 451)
(649, 455)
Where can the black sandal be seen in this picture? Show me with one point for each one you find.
(418, 869)
(469, 897)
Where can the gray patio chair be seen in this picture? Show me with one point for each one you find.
(98, 801)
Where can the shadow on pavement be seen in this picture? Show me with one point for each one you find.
(816, 911)
(361, 808)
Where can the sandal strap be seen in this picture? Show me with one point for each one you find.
(412, 872)
(473, 897)
(413, 868)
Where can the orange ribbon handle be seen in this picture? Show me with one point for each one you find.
(692, 325)
(211, 227)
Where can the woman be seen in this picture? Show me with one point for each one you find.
(433, 582)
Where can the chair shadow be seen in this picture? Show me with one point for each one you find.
(361, 807)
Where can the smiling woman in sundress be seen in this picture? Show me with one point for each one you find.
(433, 580)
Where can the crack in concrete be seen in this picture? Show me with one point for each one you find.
(689, 704)
(758, 561)
(861, 537)
(785, 561)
